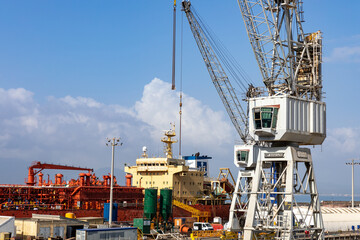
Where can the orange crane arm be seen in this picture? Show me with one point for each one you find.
(42, 166)
(39, 165)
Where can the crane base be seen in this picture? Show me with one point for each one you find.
(278, 198)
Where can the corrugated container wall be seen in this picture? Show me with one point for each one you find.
(289, 119)
(106, 233)
(107, 212)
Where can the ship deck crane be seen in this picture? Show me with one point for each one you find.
(273, 175)
(41, 166)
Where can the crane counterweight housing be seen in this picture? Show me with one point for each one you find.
(285, 118)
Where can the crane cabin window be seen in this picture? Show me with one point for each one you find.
(265, 117)
(242, 156)
(257, 118)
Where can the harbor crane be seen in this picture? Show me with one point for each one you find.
(275, 172)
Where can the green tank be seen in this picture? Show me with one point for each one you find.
(165, 203)
(150, 203)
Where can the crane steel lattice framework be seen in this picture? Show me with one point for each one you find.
(289, 65)
(274, 172)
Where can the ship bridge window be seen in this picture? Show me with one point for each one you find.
(265, 117)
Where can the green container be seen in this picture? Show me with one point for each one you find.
(165, 203)
(143, 224)
(150, 203)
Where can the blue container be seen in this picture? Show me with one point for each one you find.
(107, 211)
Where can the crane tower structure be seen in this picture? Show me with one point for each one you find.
(276, 173)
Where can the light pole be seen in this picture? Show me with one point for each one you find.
(113, 142)
(352, 163)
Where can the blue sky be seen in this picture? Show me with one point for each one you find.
(75, 72)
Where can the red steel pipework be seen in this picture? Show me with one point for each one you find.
(41, 166)
(128, 180)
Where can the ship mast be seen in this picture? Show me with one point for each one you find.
(168, 141)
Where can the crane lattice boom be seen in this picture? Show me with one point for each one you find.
(291, 65)
(218, 76)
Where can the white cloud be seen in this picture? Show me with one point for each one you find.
(72, 130)
(16, 101)
(81, 101)
(16, 95)
(200, 124)
(344, 54)
(67, 130)
(345, 140)
(341, 145)
(30, 122)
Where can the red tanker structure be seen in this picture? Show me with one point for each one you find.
(84, 196)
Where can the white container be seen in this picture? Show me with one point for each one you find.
(106, 233)
(217, 220)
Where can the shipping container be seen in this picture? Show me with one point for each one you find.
(107, 212)
(143, 224)
(107, 233)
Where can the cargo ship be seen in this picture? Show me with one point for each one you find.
(194, 193)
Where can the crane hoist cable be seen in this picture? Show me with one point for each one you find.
(174, 45)
(237, 73)
(181, 91)
(214, 58)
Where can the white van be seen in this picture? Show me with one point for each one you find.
(201, 226)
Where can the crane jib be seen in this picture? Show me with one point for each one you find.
(219, 78)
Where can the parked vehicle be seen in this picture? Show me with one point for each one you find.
(201, 226)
